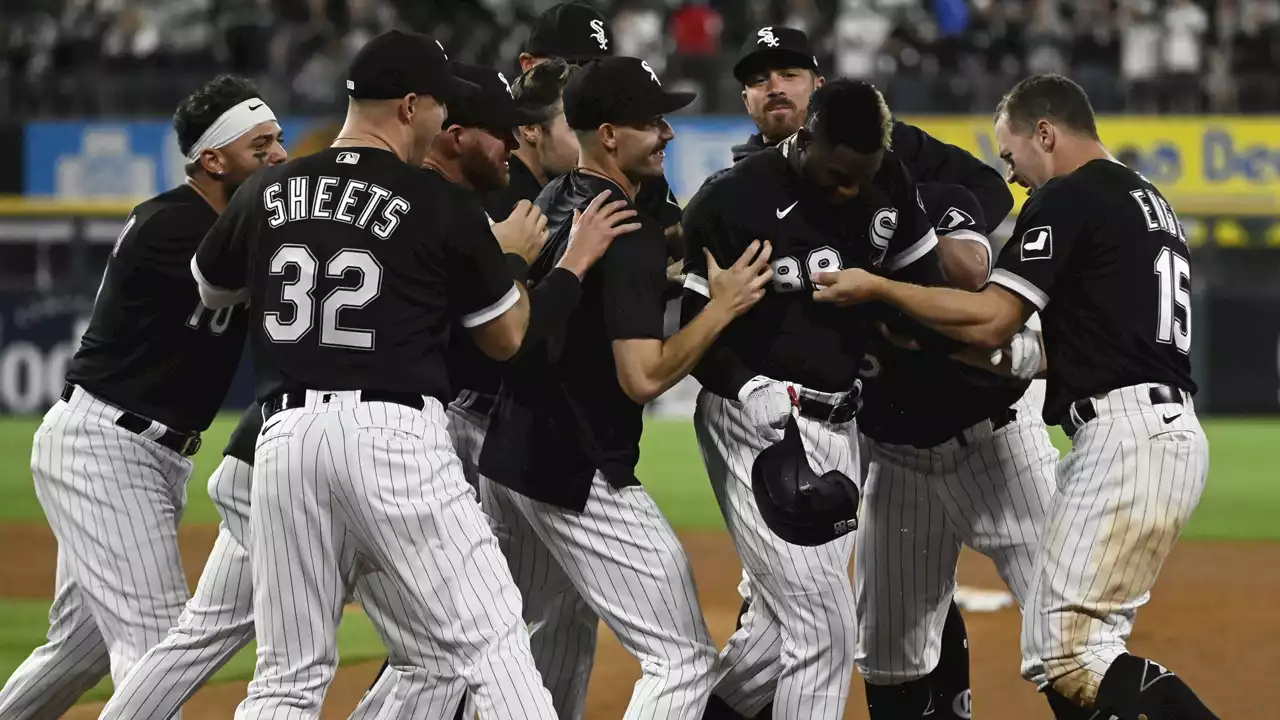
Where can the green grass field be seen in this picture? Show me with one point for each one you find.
(1242, 501)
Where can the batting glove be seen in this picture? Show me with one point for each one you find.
(1025, 353)
(767, 403)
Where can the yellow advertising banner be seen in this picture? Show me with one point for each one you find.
(1204, 165)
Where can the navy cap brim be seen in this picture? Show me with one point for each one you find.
(770, 59)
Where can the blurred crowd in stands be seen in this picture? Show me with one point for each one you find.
(133, 58)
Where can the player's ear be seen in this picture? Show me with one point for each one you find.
(1046, 134)
(526, 61)
(608, 135)
(818, 81)
(213, 162)
(530, 134)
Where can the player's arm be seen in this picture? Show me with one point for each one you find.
(1046, 232)
(221, 262)
(931, 160)
(963, 247)
(635, 271)
(501, 326)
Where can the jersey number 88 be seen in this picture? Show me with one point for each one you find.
(789, 277)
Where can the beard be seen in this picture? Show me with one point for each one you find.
(484, 175)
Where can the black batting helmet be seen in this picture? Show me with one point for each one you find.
(799, 505)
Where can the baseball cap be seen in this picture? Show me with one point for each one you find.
(619, 90)
(570, 31)
(772, 47)
(492, 106)
(396, 63)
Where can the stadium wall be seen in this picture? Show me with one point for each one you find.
(77, 180)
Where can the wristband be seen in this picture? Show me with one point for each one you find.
(518, 268)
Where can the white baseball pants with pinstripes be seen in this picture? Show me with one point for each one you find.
(218, 622)
(621, 557)
(340, 485)
(562, 632)
(1125, 491)
(920, 506)
(801, 594)
(113, 499)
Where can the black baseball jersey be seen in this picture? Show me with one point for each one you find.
(1103, 257)
(929, 160)
(244, 438)
(151, 346)
(787, 336)
(357, 265)
(562, 416)
(922, 398)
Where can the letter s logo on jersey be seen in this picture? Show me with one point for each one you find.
(883, 225)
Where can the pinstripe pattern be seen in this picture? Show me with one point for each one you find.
(623, 559)
(562, 624)
(920, 507)
(1125, 492)
(804, 592)
(466, 430)
(113, 500)
(340, 487)
(216, 623)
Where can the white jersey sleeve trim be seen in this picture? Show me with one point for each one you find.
(214, 297)
(979, 238)
(918, 250)
(495, 310)
(698, 285)
(1021, 287)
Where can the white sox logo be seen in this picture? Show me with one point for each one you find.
(1037, 243)
(767, 37)
(598, 35)
(505, 84)
(883, 225)
(446, 55)
(652, 75)
(954, 218)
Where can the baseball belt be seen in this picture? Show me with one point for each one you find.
(185, 444)
(1082, 411)
(298, 398)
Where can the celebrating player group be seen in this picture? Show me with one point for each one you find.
(456, 317)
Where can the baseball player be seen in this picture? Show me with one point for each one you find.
(958, 456)
(357, 261)
(218, 620)
(558, 463)
(834, 197)
(778, 71)
(1099, 252)
(110, 460)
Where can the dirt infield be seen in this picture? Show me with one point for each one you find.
(1211, 619)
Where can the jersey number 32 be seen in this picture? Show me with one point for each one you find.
(298, 294)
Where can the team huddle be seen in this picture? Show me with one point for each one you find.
(456, 315)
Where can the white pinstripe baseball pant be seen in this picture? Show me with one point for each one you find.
(1126, 490)
(113, 499)
(801, 594)
(339, 483)
(622, 559)
(920, 506)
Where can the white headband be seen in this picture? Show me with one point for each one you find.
(231, 125)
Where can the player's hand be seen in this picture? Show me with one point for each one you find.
(767, 403)
(524, 232)
(1025, 354)
(675, 272)
(594, 230)
(846, 287)
(741, 285)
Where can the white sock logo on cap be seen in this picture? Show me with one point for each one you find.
(653, 75)
(231, 126)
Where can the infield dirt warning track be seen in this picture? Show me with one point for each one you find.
(1212, 619)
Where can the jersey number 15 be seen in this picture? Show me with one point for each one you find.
(298, 294)
(1174, 274)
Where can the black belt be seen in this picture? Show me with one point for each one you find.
(1082, 411)
(185, 444)
(836, 414)
(298, 398)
